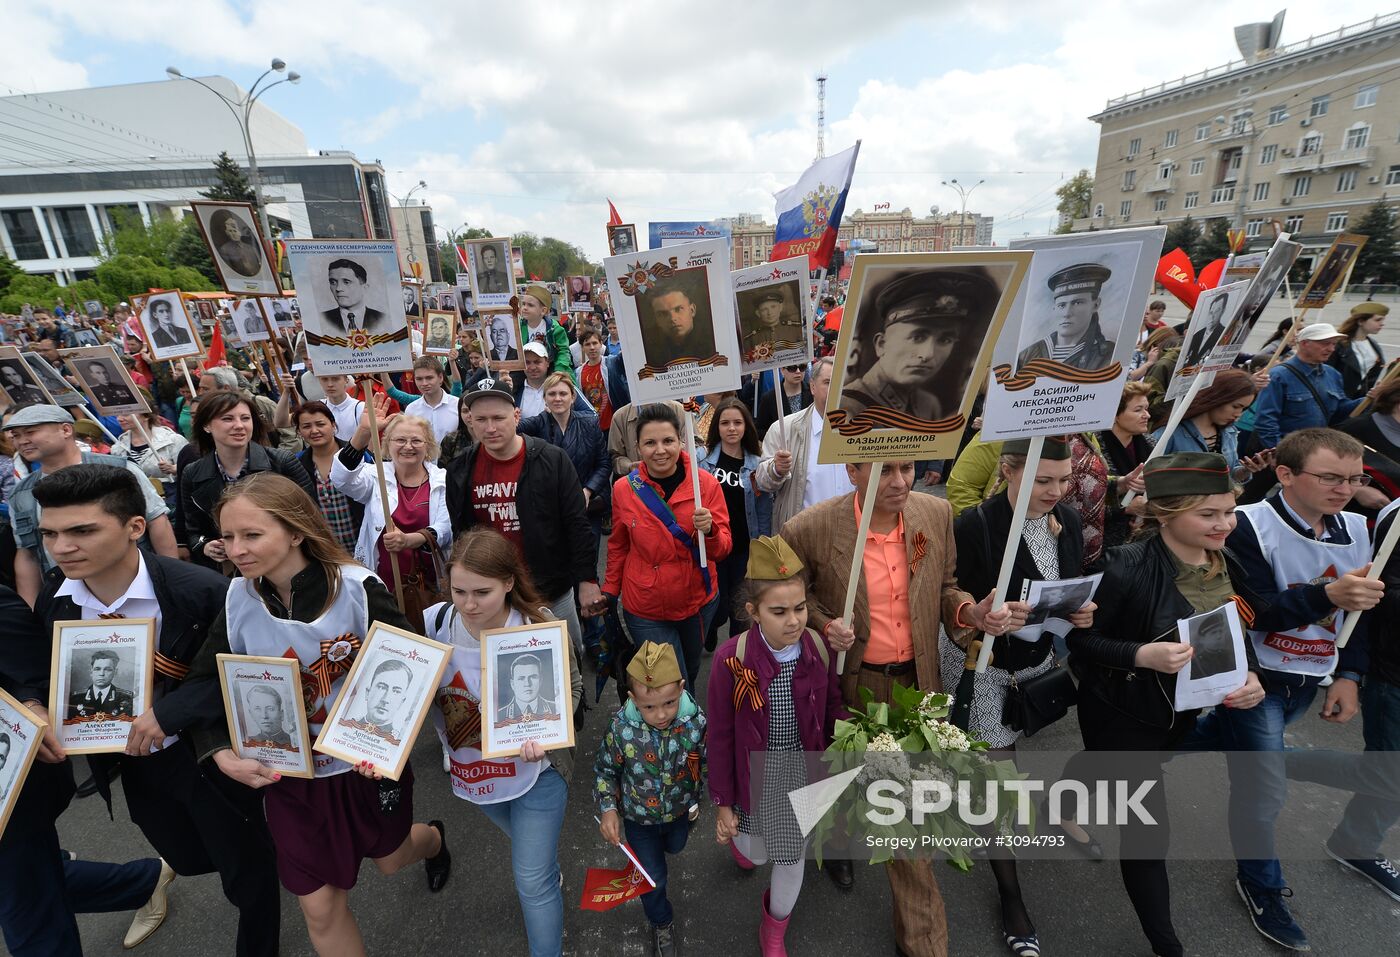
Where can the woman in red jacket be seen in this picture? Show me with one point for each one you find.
(653, 552)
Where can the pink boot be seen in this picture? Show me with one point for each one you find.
(771, 932)
(744, 863)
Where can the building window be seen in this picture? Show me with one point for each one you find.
(1239, 123)
(1277, 114)
(1251, 228)
(1302, 186)
(1130, 179)
(1357, 137)
(1261, 192)
(1198, 166)
(1336, 222)
(1222, 194)
(24, 234)
(1267, 154)
(76, 230)
(1191, 200)
(1293, 224)
(1134, 146)
(1392, 176)
(1170, 141)
(1346, 181)
(1319, 105)
(1366, 96)
(1311, 144)
(1202, 131)
(1125, 209)
(1159, 204)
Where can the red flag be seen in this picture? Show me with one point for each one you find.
(534, 278)
(605, 888)
(216, 349)
(613, 218)
(1210, 276)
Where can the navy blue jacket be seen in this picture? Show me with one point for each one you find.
(583, 442)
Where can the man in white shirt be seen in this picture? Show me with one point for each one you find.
(789, 470)
(346, 408)
(536, 371)
(435, 404)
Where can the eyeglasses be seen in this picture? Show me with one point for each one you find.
(1332, 480)
(408, 443)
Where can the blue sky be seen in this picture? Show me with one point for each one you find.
(526, 116)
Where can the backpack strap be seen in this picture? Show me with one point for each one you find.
(441, 616)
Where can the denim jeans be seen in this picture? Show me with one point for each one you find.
(532, 822)
(651, 843)
(686, 636)
(1258, 776)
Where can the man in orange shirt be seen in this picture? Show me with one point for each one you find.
(907, 590)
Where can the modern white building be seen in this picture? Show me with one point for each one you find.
(70, 160)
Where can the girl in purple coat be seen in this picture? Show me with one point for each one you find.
(773, 689)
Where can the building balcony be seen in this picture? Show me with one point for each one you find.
(1328, 159)
(1223, 194)
(1088, 223)
(1160, 186)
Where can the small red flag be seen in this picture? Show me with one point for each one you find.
(613, 218)
(216, 349)
(605, 888)
(534, 278)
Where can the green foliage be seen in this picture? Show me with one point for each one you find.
(447, 252)
(1215, 244)
(9, 270)
(1075, 195)
(1185, 235)
(38, 291)
(1379, 259)
(551, 258)
(125, 275)
(232, 186)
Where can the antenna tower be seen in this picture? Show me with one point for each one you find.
(821, 115)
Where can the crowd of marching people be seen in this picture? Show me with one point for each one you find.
(246, 517)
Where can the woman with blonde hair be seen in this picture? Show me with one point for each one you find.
(417, 528)
(296, 586)
(524, 796)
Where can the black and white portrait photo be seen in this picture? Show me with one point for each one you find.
(528, 691)
(504, 333)
(1261, 292)
(167, 327)
(1214, 312)
(17, 380)
(235, 244)
(1218, 661)
(412, 298)
(492, 278)
(1214, 650)
(351, 304)
(60, 390)
(96, 690)
(105, 380)
(1060, 600)
(21, 733)
(770, 320)
(526, 686)
(247, 313)
(1200, 342)
(439, 339)
(100, 682)
(279, 313)
(622, 240)
(391, 680)
(266, 715)
(1076, 336)
(677, 320)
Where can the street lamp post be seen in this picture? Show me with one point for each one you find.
(242, 111)
(963, 193)
(409, 257)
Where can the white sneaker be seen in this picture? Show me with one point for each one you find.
(152, 913)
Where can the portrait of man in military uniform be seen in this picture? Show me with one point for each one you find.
(913, 335)
(1076, 339)
(527, 689)
(491, 270)
(106, 384)
(101, 696)
(769, 319)
(676, 322)
(263, 719)
(1214, 646)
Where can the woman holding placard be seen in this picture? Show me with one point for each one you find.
(297, 589)
(653, 554)
(1127, 660)
(1051, 548)
(1208, 424)
(524, 796)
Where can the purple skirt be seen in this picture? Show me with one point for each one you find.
(324, 827)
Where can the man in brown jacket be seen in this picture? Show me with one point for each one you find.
(907, 589)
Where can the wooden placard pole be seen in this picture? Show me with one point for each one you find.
(98, 422)
(1378, 563)
(189, 379)
(141, 427)
(695, 485)
(1013, 539)
(778, 401)
(867, 511)
(1173, 421)
(367, 390)
(1366, 401)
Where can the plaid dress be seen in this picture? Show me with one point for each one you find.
(336, 507)
(784, 770)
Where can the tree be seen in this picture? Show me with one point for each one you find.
(1074, 199)
(167, 254)
(1378, 260)
(9, 271)
(1185, 235)
(551, 258)
(231, 185)
(447, 252)
(1215, 244)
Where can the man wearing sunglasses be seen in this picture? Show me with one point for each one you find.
(1307, 560)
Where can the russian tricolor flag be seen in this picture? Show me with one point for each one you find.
(809, 212)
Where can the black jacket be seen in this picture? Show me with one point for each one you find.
(201, 484)
(1356, 381)
(981, 535)
(1382, 646)
(1139, 603)
(767, 412)
(558, 543)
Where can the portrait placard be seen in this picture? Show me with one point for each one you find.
(105, 380)
(525, 688)
(502, 333)
(166, 326)
(59, 389)
(230, 330)
(351, 305)
(384, 700)
(101, 680)
(1218, 663)
(1052, 603)
(248, 317)
(237, 248)
(675, 310)
(914, 345)
(1060, 362)
(280, 313)
(622, 240)
(1331, 272)
(1213, 314)
(517, 262)
(1264, 284)
(580, 295)
(266, 712)
(21, 733)
(93, 308)
(774, 314)
(18, 380)
(412, 294)
(492, 276)
(438, 339)
(206, 309)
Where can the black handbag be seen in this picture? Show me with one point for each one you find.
(1032, 704)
